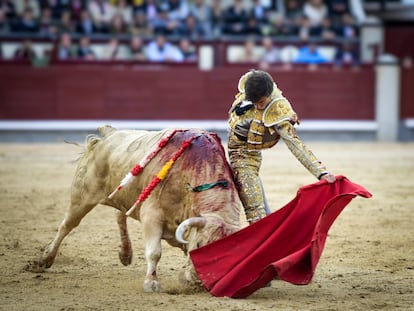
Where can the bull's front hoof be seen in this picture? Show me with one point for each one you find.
(126, 259)
(188, 278)
(152, 286)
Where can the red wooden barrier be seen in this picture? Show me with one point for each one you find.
(407, 93)
(142, 92)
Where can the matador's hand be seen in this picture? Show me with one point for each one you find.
(329, 177)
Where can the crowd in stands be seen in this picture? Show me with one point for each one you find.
(167, 30)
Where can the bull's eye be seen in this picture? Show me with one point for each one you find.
(199, 244)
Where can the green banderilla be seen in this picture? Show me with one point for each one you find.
(222, 183)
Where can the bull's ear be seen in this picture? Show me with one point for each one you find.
(198, 222)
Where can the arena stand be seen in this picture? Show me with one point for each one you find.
(79, 95)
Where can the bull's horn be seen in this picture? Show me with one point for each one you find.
(190, 222)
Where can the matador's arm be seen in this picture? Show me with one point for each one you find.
(288, 133)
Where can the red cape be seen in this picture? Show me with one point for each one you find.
(286, 245)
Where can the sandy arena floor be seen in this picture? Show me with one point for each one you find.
(368, 262)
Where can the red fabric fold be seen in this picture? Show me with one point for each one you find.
(287, 244)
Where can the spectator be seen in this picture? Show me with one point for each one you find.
(150, 8)
(235, 19)
(84, 49)
(9, 9)
(160, 50)
(136, 49)
(4, 25)
(77, 7)
(217, 18)
(25, 51)
(85, 25)
(293, 11)
(178, 10)
(259, 12)
(140, 25)
(187, 50)
(346, 55)
(118, 25)
(112, 50)
(304, 29)
(66, 24)
(309, 54)
(66, 50)
(165, 25)
(101, 13)
(125, 10)
(192, 28)
(138, 6)
(47, 25)
(348, 28)
(325, 31)
(336, 9)
(271, 54)
(252, 27)
(202, 12)
(22, 5)
(249, 53)
(281, 27)
(56, 6)
(316, 11)
(27, 23)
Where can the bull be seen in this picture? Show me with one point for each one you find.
(174, 211)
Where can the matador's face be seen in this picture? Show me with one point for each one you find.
(262, 102)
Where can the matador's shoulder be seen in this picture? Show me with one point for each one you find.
(241, 95)
(278, 111)
(242, 82)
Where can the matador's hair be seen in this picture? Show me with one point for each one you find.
(258, 84)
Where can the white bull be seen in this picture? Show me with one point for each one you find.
(201, 217)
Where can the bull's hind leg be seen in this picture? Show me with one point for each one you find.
(86, 194)
(72, 219)
(125, 252)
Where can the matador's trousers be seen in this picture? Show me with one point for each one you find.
(246, 165)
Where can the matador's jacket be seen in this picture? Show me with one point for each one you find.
(252, 130)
